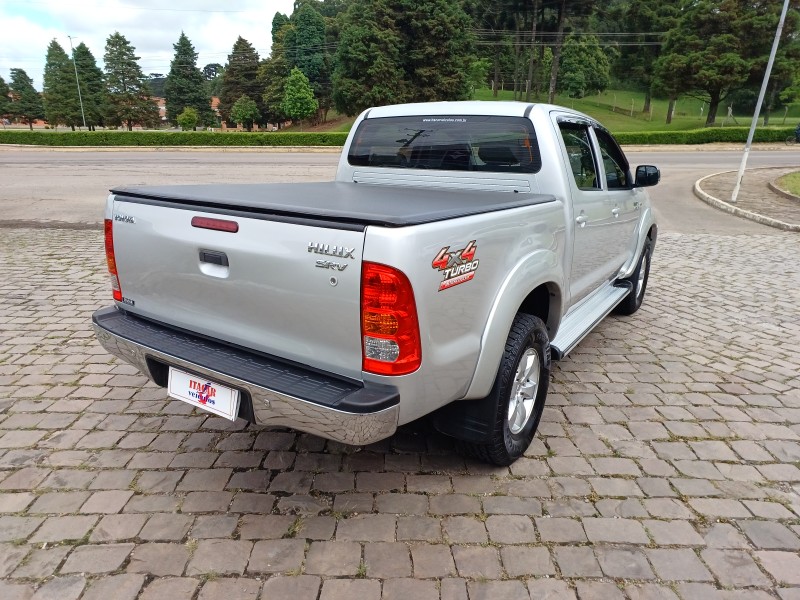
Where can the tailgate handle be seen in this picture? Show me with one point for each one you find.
(214, 257)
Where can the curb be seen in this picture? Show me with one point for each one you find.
(735, 210)
(788, 195)
(31, 224)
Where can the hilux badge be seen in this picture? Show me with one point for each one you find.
(328, 250)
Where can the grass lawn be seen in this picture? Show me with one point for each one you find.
(613, 109)
(790, 183)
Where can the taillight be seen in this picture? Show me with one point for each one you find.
(112, 262)
(389, 326)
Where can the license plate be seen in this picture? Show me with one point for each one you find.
(202, 393)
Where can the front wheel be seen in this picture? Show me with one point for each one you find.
(638, 280)
(518, 393)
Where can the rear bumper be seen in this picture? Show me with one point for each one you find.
(272, 392)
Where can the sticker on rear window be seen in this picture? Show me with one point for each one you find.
(456, 267)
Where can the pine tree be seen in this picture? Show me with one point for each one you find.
(5, 101)
(60, 92)
(402, 50)
(240, 78)
(27, 105)
(185, 84)
(129, 98)
(304, 48)
(272, 75)
(93, 90)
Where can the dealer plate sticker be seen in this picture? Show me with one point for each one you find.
(205, 394)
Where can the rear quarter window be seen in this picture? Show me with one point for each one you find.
(449, 143)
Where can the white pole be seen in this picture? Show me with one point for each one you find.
(761, 94)
(74, 64)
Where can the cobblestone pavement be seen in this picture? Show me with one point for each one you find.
(754, 195)
(666, 465)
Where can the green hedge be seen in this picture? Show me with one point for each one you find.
(707, 135)
(207, 138)
(169, 138)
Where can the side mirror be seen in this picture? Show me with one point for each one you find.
(646, 176)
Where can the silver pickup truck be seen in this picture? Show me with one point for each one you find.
(462, 247)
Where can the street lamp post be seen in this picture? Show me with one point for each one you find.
(77, 83)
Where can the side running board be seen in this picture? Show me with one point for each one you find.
(579, 322)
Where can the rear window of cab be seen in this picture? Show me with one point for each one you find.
(447, 142)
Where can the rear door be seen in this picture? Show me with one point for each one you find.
(286, 288)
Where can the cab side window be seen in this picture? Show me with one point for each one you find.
(614, 162)
(581, 156)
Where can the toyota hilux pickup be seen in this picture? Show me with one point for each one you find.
(462, 247)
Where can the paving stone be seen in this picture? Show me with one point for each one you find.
(560, 530)
(508, 505)
(205, 480)
(173, 588)
(724, 535)
(620, 531)
(303, 504)
(734, 568)
(678, 565)
(61, 588)
(402, 504)
(768, 535)
(10, 557)
(783, 566)
(158, 559)
(454, 504)
(623, 562)
(113, 528)
(649, 591)
(464, 530)
(342, 589)
(403, 589)
(550, 589)
(477, 561)
(121, 587)
(525, 561)
(17, 591)
(158, 482)
(42, 562)
(106, 502)
(265, 527)
(228, 588)
(224, 557)
(166, 528)
(277, 556)
(720, 507)
(510, 529)
(300, 587)
(425, 529)
(203, 502)
(432, 561)
(104, 558)
(214, 526)
(333, 558)
(367, 528)
(15, 502)
(673, 533)
(386, 560)
(59, 529)
(598, 590)
(18, 528)
(59, 503)
(489, 590)
(252, 503)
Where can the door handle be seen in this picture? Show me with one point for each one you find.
(615, 211)
(581, 220)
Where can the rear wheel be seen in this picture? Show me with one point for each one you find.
(518, 393)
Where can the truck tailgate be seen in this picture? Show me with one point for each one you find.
(282, 287)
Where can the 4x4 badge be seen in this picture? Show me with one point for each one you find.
(456, 267)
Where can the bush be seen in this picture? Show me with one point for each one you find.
(169, 138)
(707, 135)
(187, 120)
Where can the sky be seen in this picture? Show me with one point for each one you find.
(151, 26)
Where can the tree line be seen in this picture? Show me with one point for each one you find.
(352, 54)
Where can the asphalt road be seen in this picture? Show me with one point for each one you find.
(71, 185)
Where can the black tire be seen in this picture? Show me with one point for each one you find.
(634, 299)
(504, 447)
